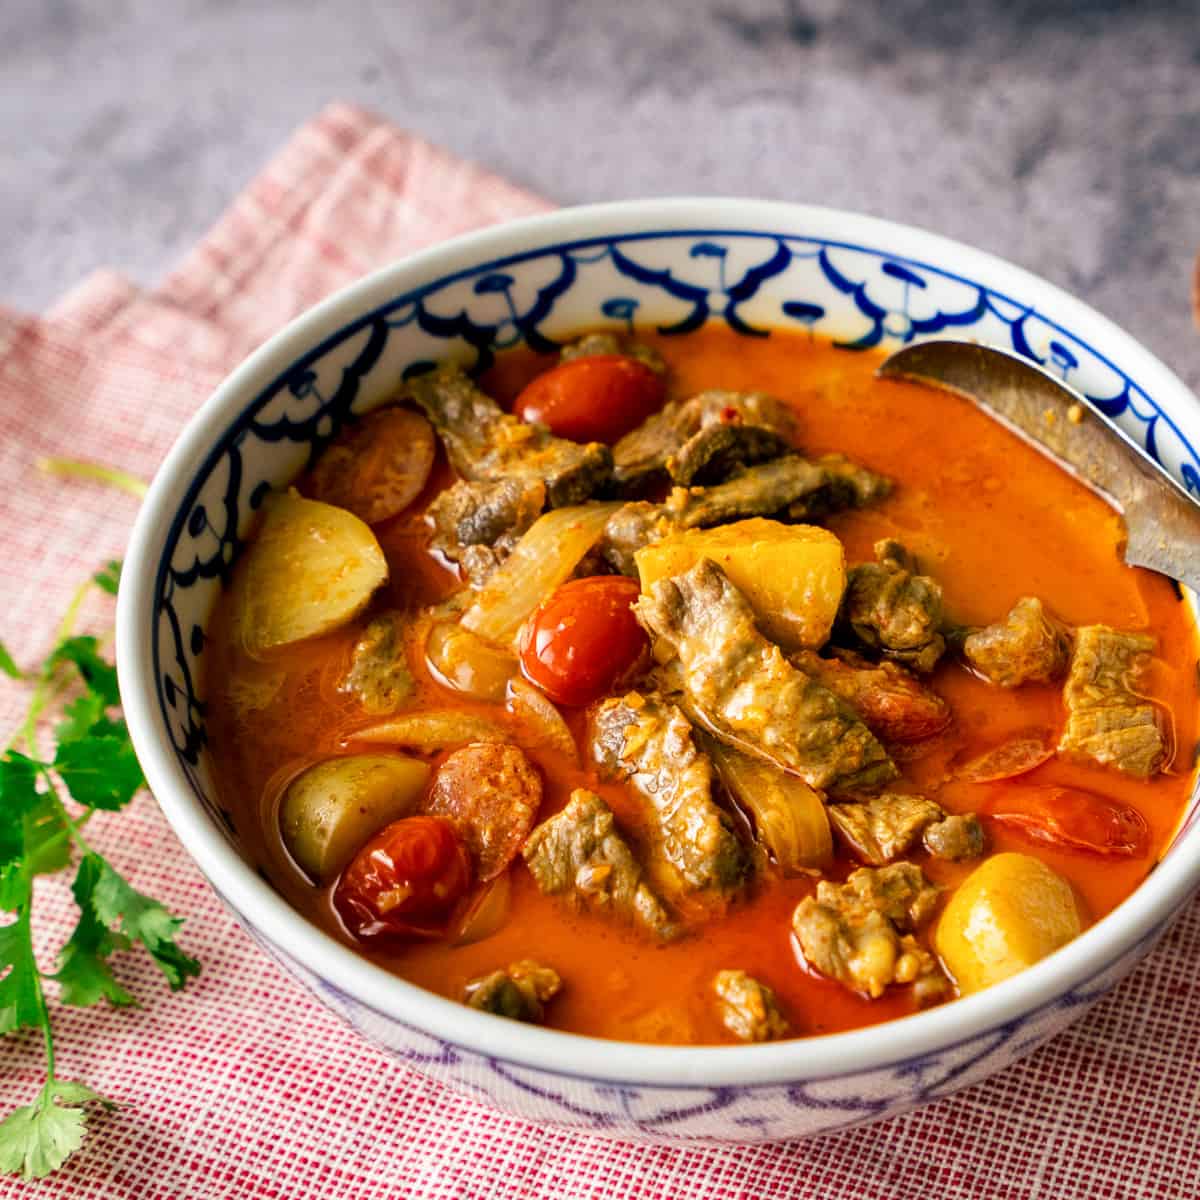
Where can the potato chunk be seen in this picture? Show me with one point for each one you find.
(1011, 911)
(330, 810)
(793, 575)
(311, 568)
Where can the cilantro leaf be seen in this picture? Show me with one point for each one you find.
(79, 717)
(8, 664)
(95, 761)
(98, 675)
(20, 988)
(109, 579)
(18, 796)
(47, 840)
(121, 908)
(83, 970)
(39, 1138)
(100, 769)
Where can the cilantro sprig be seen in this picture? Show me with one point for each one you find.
(45, 802)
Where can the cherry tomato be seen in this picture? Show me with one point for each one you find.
(1073, 819)
(583, 638)
(594, 399)
(404, 882)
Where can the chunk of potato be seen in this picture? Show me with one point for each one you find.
(330, 810)
(793, 575)
(311, 568)
(1011, 911)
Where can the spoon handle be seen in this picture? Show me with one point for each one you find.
(1162, 522)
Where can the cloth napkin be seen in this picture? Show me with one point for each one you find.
(243, 1086)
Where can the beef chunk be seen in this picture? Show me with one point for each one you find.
(720, 450)
(642, 454)
(648, 741)
(893, 610)
(749, 1009)
(519, 992)
(894, 705)
(759, 491)
(744, 690)
(580, 855)
(776, 487)
(879, 830)
(1107, 721)
(593, 345)
(956, 837)
(379, 678)
(477, 524)
(634, 525)
(844, 484)
(855, 932)
(1028, 646)
(484, 443)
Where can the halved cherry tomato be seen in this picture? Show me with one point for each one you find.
(405, 881)
(1073, 819)
(1020, 753)
(583, 639)
(596, 399)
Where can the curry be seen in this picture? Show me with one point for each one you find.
(697, 689)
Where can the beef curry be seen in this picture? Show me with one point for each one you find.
(697, 689)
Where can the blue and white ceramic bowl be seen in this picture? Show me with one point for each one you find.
(671, 264)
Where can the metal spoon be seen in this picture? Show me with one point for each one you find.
(1162, 521)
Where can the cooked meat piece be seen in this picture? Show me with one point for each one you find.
(486, 443)
(759, 491)
(744, 689)
(893, 610)
(633, 526)
(720, 449)
(520, 992)
(592, 345)
(852, 932)
(958, 836)
(1028, 646)
(775, 486)
(649, 742)
(1107, 721)
(749, 1009)
(477, 524)
(642, 454)
(845, 485)
(491, 793)
(379, 678)
(894, 705)
(580, 855)
(879, 830)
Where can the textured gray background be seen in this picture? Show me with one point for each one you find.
(1063, 135)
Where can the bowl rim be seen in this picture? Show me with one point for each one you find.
(1137, 919)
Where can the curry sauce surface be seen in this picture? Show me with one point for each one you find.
(987, 516)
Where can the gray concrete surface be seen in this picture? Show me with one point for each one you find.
(1063, 135)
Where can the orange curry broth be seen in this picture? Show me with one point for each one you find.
(989, 518)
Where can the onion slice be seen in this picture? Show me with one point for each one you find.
(545, 557)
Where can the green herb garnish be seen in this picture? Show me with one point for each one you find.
(45, 800)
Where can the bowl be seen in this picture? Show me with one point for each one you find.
(673, 264)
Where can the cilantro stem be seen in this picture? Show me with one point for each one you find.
(68, 820)
(70, 468)
(46, 688)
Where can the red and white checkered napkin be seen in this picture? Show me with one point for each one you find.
(243, 1086)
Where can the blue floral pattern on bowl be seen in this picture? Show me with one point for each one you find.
(674, 281)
